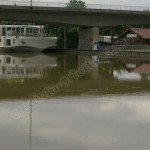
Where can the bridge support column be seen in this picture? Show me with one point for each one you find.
(87, 37)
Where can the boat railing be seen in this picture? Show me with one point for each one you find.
(28, 34)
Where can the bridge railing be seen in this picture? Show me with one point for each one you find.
(63, 5)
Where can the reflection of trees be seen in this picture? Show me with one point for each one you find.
(106, 69)
(117, 67)
(65, 63)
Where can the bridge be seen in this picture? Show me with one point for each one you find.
(93, 16)
(57, 13)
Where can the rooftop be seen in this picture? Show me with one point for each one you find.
(144, 33)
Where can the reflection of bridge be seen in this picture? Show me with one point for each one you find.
(57, 13)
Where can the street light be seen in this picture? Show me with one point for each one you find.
(99, 4)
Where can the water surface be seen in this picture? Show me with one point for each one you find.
(107, 108)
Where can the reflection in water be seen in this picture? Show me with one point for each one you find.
(107, 108)
(23, 76)
(15, 67)
(30, 124)
(109, 122)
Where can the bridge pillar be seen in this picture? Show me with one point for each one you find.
(87, 37)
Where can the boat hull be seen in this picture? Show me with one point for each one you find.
(20, 49)
(27, 43)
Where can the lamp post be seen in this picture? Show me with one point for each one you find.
(31, 5)
(99, 4)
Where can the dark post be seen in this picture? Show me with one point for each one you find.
(112, 35)
(31, 5)
(65, 37)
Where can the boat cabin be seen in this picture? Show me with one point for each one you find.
(23, 36)
(21, 30)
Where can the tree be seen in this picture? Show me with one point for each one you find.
(58, 31)
(76, 4)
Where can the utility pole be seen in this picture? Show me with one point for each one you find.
(31, 5)
(65, 37)
(112, 35)
(99, 4)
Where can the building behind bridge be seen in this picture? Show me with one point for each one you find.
(135, 36)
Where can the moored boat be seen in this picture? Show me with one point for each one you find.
(25, 37)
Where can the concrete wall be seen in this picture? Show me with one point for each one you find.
(87, 37)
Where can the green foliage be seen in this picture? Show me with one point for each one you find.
(58, 31)
(76, 4)
(72, 37)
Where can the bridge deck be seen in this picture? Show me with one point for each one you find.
(73, 16)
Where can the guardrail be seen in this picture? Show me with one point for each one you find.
(63, 5)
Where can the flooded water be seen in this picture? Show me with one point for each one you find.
(74, 102)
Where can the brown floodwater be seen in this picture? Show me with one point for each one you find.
(74, 102)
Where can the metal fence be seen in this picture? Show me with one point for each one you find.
(62, 5)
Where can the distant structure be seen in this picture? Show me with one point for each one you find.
(106, 39)
(136, 36)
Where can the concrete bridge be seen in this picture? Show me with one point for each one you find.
(56, 13)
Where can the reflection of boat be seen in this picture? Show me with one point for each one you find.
(25, 37)
(32, 67)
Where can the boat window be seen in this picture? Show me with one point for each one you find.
(14, 41)
(3, 31)
(0, 40)
(17, 30)
(8, 29)
(36, 30)
(27, 30)
(31, 30)
(8, 42)
(22, 30)
(13, 29)
(8, 60)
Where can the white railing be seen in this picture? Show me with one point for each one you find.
(63, 5)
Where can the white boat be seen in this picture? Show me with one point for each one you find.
(28, 37)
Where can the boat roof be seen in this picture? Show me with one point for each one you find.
(22, 26)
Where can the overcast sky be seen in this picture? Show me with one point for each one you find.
(145, 3)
